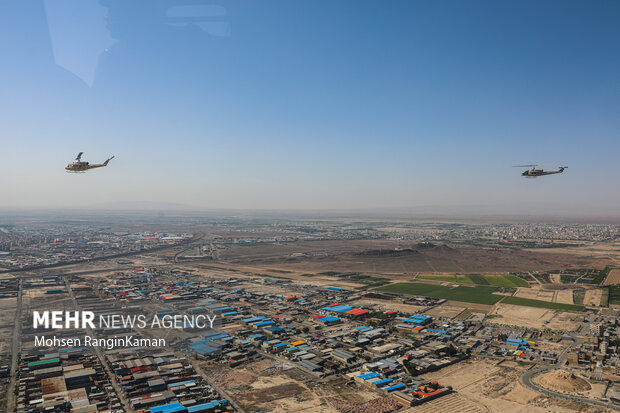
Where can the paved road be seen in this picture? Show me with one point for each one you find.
(17, 330)
(526, 380)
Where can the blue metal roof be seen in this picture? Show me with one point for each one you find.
(338, 308)
(204, 349)
(205, 407)
(367, 376)
(328, 319)
(230, 313)
(181, 383)
(169, 408)
(432, 330)
(214, 334)
(264, 323)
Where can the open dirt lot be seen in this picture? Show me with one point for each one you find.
(454, 403)
(563, 296)
(488, 387)
(387, 305)
(555, 278)
(446, 310)
(264, 386)
(605, 252)
(535, 293)
(612, 278)
(266, 391)
(593, 297)
(563, 381)
(532, 317)
(7, 319)
(380, 257)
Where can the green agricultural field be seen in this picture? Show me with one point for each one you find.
(498, 280)
(479, 279)
(505, 280)
(578, 296)
(541, 304)
(478, 294)
(605, 298)
(455, 278)
(614, 294)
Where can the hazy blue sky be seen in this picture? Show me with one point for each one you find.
(310, 104)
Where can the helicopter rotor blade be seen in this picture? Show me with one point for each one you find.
(535, 164)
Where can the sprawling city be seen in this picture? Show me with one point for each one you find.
(309, 206)
(298, 314)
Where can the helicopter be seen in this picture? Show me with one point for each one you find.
(534, 173)
(80, 166)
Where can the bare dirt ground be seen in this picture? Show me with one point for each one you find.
(379, 256)
(532, 317)
(267, 391)
(593, 297)
(446, 310)
(454, 402)
(387, 305)
(489, 388)
(564, 296)
(479, 308)
(379, 405)
(555, 278)
(606, 252)
(7, 318)
(563, 381)
(263, 386)
(612, 278)
(536, 293)
(482, 386)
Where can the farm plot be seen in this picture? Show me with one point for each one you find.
(479, 294)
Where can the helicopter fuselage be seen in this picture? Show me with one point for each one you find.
(80, 166)
(533, 173)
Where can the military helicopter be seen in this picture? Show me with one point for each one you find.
(534, 173)
(80, 166)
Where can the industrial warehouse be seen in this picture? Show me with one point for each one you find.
(316, 342)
